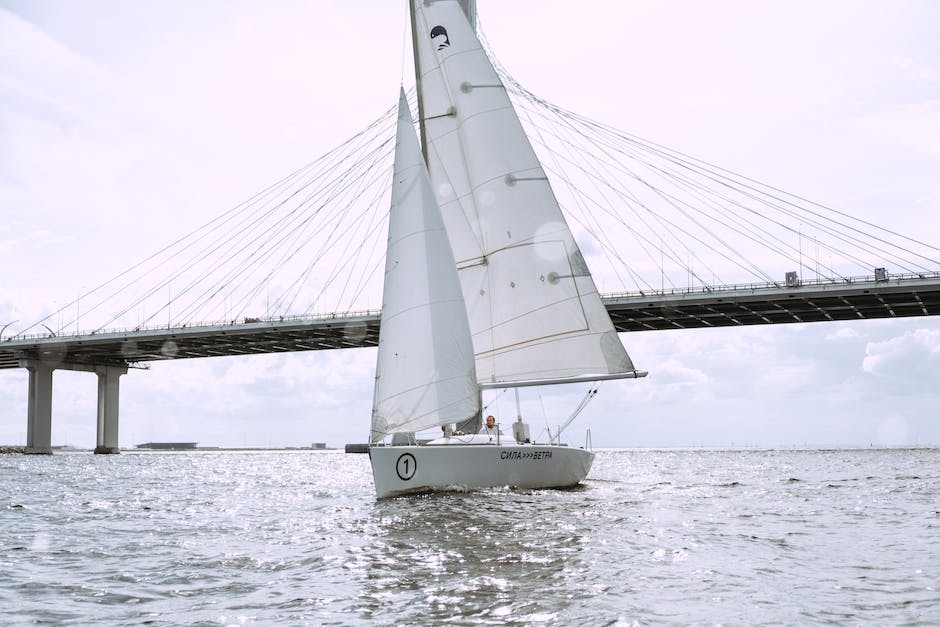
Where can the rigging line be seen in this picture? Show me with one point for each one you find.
(681, 206)
(630, 201)
(734, 225)
(324, 249)
(656, 216)
(640, 238)
(638, 177)
(750, 229)
(373, 233)
(259, 197)
(791, 203)
(621, 134)
(192, 236)
(233, 245)
(348, 143)
(377, 264)
(638, 280)
(376, 241)
(373, 175)
(279, 228)
(741, 225)
(737, 190)
(352, 261)
(835, 211)
(619, 192)
(597, 231)
(864, 245)
(277, 237)
(239, 208)
(363, 278)
(578, 199)
(379, 256)
(495, 398)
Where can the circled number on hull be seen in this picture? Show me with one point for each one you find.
(406, 466)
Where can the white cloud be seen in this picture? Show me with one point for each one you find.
(843, 333)
(915, 124)
(911, 70)
(913, 355)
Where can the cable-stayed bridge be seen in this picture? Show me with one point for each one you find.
(859, 298)
(675, 242)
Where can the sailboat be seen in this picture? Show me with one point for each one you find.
(485, 287)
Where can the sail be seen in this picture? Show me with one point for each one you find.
(425, 368)
(533, 308)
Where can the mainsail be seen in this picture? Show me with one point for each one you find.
(425, 368)
(534, 311)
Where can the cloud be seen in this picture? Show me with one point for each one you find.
(41, 76)
(29, 236)
(915, 125)
(913, 356)
(931, 200)
(913, 71)
(843, 333)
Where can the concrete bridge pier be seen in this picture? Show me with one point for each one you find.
(39, 408)
(108, 397)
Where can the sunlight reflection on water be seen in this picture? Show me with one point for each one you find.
(297, 537)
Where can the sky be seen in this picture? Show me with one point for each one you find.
(124, 124)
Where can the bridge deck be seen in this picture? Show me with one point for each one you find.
(772, 304)
(737, 306)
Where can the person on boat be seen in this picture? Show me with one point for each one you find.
(490, 427)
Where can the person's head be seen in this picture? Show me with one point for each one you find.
(490, 422)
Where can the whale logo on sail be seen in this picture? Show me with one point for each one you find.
(440, 38)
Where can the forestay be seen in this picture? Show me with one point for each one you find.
(425, 368)
(533, 308)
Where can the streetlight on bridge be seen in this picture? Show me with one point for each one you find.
(4, 328)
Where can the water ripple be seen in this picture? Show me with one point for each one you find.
(697, 536)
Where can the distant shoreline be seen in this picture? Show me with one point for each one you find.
(19, 450)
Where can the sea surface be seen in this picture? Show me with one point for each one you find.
(793, 537)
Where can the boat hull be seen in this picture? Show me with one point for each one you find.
(407, 469)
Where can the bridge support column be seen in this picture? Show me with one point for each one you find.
(39, 409)
(108, 399)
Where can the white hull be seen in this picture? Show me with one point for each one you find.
(407, 469)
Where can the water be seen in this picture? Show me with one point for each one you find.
(653, 537)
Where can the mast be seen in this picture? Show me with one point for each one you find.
(470, 10)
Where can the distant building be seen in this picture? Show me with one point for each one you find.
(318, 445)
(168, 446)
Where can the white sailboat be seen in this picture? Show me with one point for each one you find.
(485, 286)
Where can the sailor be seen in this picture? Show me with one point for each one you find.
(490, 427)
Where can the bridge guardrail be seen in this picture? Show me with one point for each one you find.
(197, 325)
(706, 289)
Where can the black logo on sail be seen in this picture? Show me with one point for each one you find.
(439, 37)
